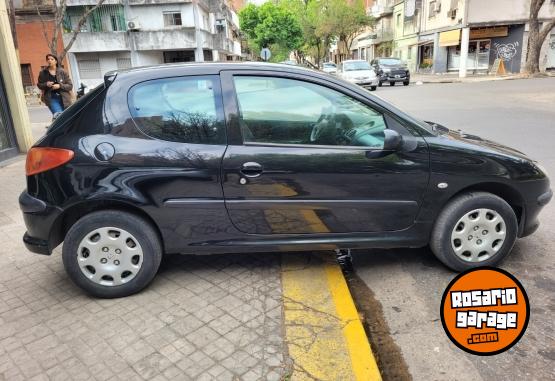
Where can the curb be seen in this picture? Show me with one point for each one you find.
(323, 331)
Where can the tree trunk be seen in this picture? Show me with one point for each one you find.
(534, 48)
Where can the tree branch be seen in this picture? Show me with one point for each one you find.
(77, 29)
(546, 29)
(44, 32)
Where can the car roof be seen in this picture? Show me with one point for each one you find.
(355, 61)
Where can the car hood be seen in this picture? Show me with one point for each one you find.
(394, 67)
(475, 140)
(359, 73)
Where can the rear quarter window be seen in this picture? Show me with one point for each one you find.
(180, 109)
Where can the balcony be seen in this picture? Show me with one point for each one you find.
(170, 39)
(98, 42)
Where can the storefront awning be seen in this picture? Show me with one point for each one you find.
(450, 38)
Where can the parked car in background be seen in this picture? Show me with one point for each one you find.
(329, 67)
(358, 72)
(255, 157)
(391, 70)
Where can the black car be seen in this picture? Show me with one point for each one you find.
(391, 70)
(222, 158)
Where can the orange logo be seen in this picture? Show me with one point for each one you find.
(485, 311)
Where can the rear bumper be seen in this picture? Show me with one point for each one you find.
(39, 218)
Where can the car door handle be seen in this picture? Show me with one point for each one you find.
(251, 169)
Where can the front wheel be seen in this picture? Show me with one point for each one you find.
(373, 88)
(406, 83)
(111, 254)
(380, 83)
(474, 229)
(391, 83)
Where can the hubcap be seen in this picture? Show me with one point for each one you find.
(110, 256)
(478, 235)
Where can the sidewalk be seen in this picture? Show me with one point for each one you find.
(221, 317)
(454, 78)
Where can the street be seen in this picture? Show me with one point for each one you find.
(409, 283)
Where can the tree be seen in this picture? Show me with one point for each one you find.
(271, 25)
(536, 37)
(59, 13)
(348, 20)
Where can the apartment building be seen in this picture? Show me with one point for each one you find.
(378, 40)
(469, 35)
(406, 20)
(122, 34)
(31, 43)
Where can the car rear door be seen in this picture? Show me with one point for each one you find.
(278, 178)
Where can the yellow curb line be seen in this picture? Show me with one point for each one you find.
(362, 358)
(324, 334)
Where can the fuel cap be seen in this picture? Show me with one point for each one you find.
(104, 151)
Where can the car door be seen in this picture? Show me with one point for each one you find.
(308, 158)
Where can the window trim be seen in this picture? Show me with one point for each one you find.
(231, 107)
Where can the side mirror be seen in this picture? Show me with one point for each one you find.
(392, 141)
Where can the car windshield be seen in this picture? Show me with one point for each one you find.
(329, 65)
(390, 61)
(357, 65)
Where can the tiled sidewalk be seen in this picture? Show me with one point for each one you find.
(203, 317)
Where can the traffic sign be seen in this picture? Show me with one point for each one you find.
(265, 54)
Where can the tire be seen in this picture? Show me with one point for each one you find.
(457, 215)
(380, 83)
(373, 88)
(406, 83)
(133, 267)
(391, 83)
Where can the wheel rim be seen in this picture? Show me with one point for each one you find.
(478, 235)
(110, 256)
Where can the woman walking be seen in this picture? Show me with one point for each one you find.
(55, 85)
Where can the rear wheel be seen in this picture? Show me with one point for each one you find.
(380, 83)
(112, 254)
(475, 229)
(373, 88)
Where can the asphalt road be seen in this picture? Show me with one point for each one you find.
(409, 283)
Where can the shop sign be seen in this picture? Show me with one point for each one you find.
(450, 38)
(494, 31)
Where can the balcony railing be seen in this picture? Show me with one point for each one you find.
(106, 18)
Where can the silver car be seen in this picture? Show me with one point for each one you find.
(329, 68)
(359, 72)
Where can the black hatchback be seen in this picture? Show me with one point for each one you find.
(391, 70)
(208, 158)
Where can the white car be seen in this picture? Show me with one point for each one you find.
(329, 68)
(359, 72)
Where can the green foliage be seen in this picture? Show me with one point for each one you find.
(271, 25)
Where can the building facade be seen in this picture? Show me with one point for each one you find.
(15, 128)
(119, 35)
(406, 19)
(31, 42)
(471, 36)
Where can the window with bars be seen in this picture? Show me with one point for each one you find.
(172, 19)
(123, 63)
(106, 18)
(89, 69)
(26, 75)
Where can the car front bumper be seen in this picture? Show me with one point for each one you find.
(367, 83)
(530, 222)
(394, 78)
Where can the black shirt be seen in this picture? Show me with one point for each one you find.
(52, 78)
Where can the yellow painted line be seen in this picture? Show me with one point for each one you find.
(324, 335)
(362, 358)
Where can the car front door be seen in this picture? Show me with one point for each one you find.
(307, 157)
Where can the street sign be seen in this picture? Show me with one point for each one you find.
(265, 54)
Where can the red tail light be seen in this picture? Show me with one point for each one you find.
(40, 159)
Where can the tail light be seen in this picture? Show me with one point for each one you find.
(40, 159)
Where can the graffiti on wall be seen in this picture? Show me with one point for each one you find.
(506, 51)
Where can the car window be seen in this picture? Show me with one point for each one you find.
(390, 61)
(183, 109)
(356, 65)
(287, 111)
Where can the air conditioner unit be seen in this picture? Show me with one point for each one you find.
(437, 6)
(452, 13)
(133, 25)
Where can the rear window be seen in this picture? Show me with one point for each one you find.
(75, 108)
(181, 109)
